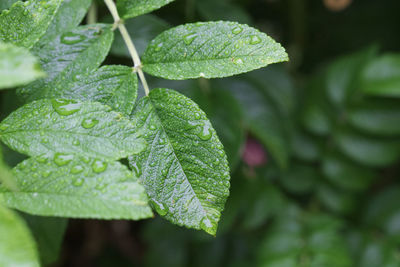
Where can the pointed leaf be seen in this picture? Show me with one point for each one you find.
(80, 188)
(132, 8)
(69, 15)
(184, 170)
(17, 66)
(115, 86)
(17, 247)
(210, 50)
(72, 53)
(25, 22)
(66, 126)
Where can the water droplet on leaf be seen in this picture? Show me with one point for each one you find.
(205, 132)
(78, 182)
(89, 123)
(62, 159)
(159, 207)
(65, 107)
(77, 169)
(70, 38)
(237, 30)
(99, 166)
(255, 40)
(189, 38)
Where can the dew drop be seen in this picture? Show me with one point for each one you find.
(41, 159)
(70, 38)
(78, 182)
(46, 173)
(159, 207)
(237, 30)
(76, 142)
(255, 40)
(77, 169)
(89, 123)
(62, 159)
(158, 47)
(189, 38)
(65, 107)
(86, 159)
(99, 166)
(205, 132)
(206, 225)
(237, 61)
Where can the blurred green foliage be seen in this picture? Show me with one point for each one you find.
(328, 122)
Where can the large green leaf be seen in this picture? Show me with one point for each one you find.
(210, 50)
(382, 76)
(79, 187)
(142, 29)
(5, 175)
(25, 22)
(17, 66)
(69, 55)
(68, 16)
(184, 169)
(113, 85)
(132, 8)
(66, 126)
(17, 247)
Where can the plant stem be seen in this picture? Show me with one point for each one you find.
(129, 44)
(92, 15)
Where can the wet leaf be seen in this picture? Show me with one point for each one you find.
(132, 8)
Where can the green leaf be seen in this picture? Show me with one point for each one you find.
(377, 118)
(67, 126)
(133, 8)
(25, 22)
(17, 66)
(17, 247)
(210, 50)
(6, 4)
(143, 29)
(298, 239)
(114, 85)
(78, 187)
(382, 76)
(72, 53)
(69, 15)
(345, 174)
(5, 175)
(367, 150)
(48, 233)
(184, 170)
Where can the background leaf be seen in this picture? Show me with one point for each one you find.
(184, 170)
(210, 50)
(19, 248)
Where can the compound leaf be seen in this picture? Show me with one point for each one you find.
(79, 187)
(25, 22)
(70, 54)
(17, 247)
(133, 8)
(67, 126)
(184, 170)
(17, 66)
(210, 50)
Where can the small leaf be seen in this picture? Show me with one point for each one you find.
(210, 50)
(17, 247)
(114, 85)
(381, 77)
(368, 151)
(78, 187)
(17, 66)
(69, 15)
(67, 126)
(133, 8)
(184, 170)
(25, 22)
(70, 54)
(143, 29)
